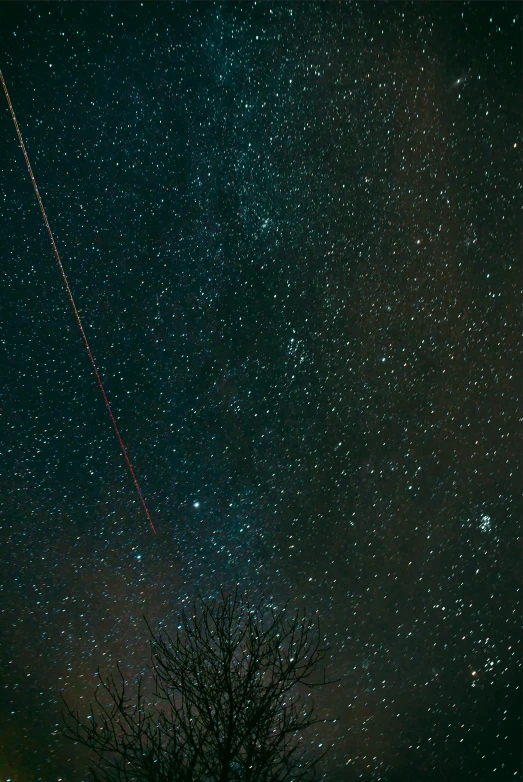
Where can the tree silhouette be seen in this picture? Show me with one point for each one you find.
(229, 703)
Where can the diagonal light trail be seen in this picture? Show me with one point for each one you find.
(77, 314)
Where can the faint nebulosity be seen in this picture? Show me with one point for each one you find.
(292, 231)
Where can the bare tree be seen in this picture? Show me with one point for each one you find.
(230, 701)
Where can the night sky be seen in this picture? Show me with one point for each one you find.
(292, 230)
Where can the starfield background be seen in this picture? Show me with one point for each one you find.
(292, 232)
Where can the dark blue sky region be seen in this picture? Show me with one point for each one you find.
(292, 231)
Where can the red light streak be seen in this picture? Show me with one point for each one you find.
(77, 314)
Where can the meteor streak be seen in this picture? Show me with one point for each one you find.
(77, 314)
